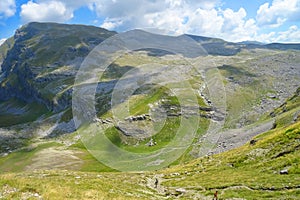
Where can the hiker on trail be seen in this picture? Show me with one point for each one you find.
(156, 183)
(215, 196)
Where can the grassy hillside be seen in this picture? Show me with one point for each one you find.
(248, 172)
(15, 111)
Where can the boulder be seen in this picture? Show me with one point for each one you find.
(284, 171)
(253, 142)
(151, 143)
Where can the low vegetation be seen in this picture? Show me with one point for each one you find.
(253, 171)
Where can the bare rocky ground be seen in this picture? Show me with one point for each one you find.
(233, 138)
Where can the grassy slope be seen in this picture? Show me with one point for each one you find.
(249, 172)
(15, 111)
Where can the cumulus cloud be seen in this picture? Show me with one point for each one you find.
(265, 37)
(278, 12)
(206, 22)
(48, 11)
(124, 15)
(111, 24)
(200, 17)
(291, 35)
(129, 14)
(233, 19)
(7, 8)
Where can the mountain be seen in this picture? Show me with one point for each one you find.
(41, 60)
(241, 99)
(283, 46)
(216, 46)
(251, 42)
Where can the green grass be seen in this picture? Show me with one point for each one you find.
(91, 164)
(56, 88)
(15, 111)
(73, 185)
(254, 167)
(162, 138)
(236, 72)
(241, 100)
(141, 105)
(114, 71)
(67, 115)
(17, 161)
(248, 172)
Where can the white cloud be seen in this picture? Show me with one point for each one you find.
(205, 22)
(145, 13)
(169, 20)
(111, 24)
(2, 41)
(48, 11)
(265, 37)
(7, 8)
(291, 35)
(200, 17)
(278, 12)
(233, 19)
(124, 15)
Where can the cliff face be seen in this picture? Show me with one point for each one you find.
(40, 61)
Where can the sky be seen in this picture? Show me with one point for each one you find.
(233, 20)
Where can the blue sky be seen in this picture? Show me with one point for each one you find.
(232, 20)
